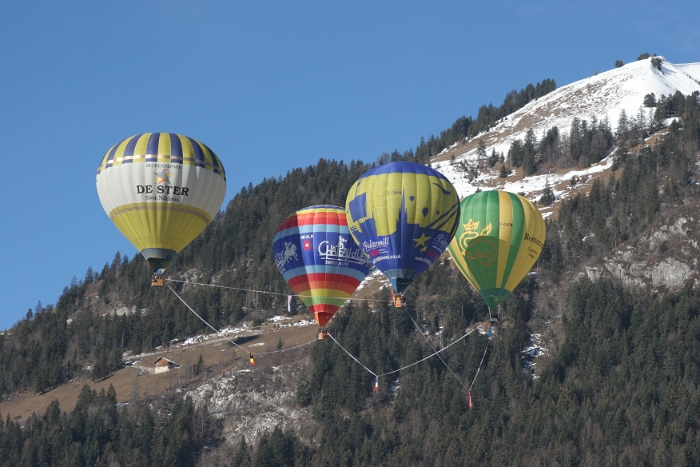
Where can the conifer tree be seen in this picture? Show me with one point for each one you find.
(481, 150)
(547, 197)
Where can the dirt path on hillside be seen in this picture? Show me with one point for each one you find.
(132, 383)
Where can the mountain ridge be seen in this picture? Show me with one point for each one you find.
(601, 96)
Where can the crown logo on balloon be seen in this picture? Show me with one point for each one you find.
(470, 233)
(471, 225)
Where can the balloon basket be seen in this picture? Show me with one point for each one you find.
(399, 301)
(157, 280)
(322, 334)
(494, 317)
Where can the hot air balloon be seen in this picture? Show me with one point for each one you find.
(160, 190)
(319, 260)
(403, 215)
(499, 238)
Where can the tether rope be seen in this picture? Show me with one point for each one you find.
(433, 349)
(232, 342)
(351, 355)
(403, 367)
(477, 370)
(377, 376)
(274, 293)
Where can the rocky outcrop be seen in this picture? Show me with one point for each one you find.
(666, 257)
(252, 401)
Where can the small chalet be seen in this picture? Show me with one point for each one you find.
(163, 364)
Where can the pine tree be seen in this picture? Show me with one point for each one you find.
(622, 126)
(529, 150)
(547, 197)
(242, 457)
(650, 100)
(493, 158)
(481, 150)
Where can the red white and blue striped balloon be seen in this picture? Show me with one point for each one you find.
(319, 259)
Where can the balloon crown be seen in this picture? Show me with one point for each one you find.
(471, 225)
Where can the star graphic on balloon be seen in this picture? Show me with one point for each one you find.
(421, 241)
(163, 176)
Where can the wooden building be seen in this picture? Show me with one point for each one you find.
(163, 364)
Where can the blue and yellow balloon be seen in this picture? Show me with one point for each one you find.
(403, 215)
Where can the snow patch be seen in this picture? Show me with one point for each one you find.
(276, 319)
(531, 352)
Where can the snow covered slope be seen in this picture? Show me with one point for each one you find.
(603, 96)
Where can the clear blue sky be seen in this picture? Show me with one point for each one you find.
(269, 86)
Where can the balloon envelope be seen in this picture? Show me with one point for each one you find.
(161, 190)
(404, 215)
(319, 260)
(499, 238)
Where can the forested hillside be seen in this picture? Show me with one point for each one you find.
(618, 387)
(488, 115)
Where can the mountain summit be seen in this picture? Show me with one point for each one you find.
(599, 99)
(603, 96)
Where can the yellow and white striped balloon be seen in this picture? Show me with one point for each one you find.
(161, 190)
